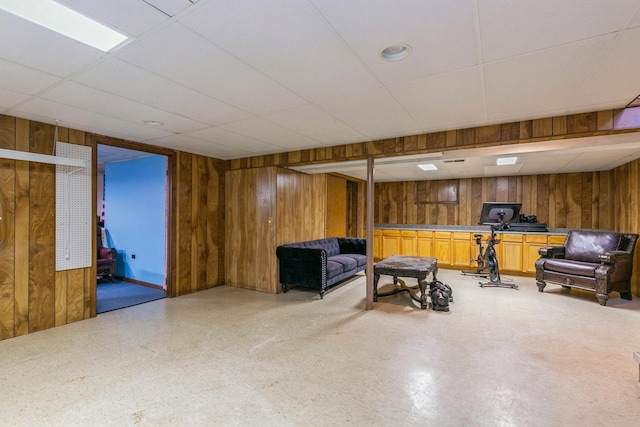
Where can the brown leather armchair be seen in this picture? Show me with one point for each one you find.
(594, 260)
(106, 263)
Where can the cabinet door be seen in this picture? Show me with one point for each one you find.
(408, 242)
(424, 243)
(377, 244)
(510, 252)
(390, 243)
(461, 249)
(532, 244)
(442, 247)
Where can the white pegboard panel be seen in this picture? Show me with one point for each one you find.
(73, 209)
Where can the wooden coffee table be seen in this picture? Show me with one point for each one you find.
(406, 266)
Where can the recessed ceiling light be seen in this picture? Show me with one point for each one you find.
(153, 123)
(396, 52)
(65, 21)
(428, 167)
(506, 161)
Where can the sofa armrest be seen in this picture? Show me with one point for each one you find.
(289, 253)
(614, 257)
(352, 245)
(552, 252)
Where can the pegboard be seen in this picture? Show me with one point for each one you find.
(73, 209)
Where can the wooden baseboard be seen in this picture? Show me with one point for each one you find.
(141, 283)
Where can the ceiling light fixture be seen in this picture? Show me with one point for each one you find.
(41, 158)
(153, 123)
(396, 52)
(65, 21)
(503, 161)
(428, 167)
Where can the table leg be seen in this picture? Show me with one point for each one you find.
(376, 277)
(423, 293)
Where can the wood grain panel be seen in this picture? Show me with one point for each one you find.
(336, 206)
(184, 226)
(22, 215)
(7, 233)
(41, 231)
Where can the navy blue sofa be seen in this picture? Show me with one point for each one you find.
(320, 264)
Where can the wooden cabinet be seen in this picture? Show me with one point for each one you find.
(556, 240)
(377, 244)
(424, 243)
(510, 252)
(532, 244)
(390, 243)
(442, 247)
(461, 245)
(408, 242)
(517, 253)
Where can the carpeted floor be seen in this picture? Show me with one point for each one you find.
(113, 296)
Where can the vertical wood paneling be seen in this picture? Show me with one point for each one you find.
(7, 233)
(184, 227)
(41, 231)
(22, 215)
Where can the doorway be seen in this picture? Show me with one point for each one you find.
(132, 215)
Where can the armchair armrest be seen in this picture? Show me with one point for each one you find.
(614, 257)
(552, 252)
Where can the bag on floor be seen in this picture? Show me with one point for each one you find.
(441, 295)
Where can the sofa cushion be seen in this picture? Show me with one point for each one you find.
(334, 268)
(361, 260)
(347, 262)
(585, 245)
(576, 268)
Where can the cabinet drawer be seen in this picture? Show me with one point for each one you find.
(511, 237)
(536, 238)
(461, 236)
(441, 234)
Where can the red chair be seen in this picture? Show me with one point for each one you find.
(106, 262)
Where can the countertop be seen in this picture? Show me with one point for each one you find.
(468, 228)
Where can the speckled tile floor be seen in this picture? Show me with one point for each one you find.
(229, 356)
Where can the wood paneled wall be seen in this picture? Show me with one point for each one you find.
(575, 200)
(267, 207)
(198, 207)
(33, 296)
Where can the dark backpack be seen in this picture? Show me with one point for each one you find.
(441, 295)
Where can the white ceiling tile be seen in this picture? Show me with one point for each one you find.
(443, 101)
(234, 140)
(441, 33)
(510, 28)
(543, 81)
(131, 82)
(23, 79)
(316, 124)
(609, 82)
(198, 146)
(271, 133)
(36, 47)
(10, 98)
(81, 119)
(315, 64)
(375, 114)
(89, 99)
(172, 7)
(179, 54)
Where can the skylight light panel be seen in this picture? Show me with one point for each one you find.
(65, 21)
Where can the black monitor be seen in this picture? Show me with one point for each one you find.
(495, 213)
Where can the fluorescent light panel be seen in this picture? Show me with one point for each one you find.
(502, 161)
(428, 167)
(65, 21)
(42, 158)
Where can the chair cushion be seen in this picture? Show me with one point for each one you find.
(584, 245)
(104, 253)
(576, 268)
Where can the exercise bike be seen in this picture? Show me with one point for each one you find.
(482, 270)
(491, 259)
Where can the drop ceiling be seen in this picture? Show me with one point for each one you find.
(231, 79)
